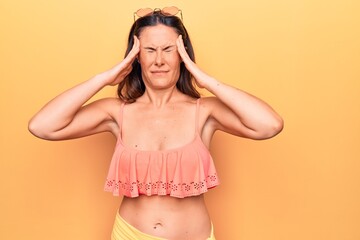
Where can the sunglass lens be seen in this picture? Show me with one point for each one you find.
(143, 12)
(171, 11)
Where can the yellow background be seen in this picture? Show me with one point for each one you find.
(302, 57)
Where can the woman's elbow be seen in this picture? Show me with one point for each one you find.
(274, 128)
(36, 129)
(271, 129)
(278, 126)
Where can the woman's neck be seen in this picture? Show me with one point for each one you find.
(160, 97)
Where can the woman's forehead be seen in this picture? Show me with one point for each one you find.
(158, 33)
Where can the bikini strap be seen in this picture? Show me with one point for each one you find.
(121, 117)
(197, 129)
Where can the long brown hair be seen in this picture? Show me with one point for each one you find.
(133, 86)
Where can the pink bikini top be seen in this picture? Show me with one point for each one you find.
(180, 172)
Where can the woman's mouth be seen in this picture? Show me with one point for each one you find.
(159, 72)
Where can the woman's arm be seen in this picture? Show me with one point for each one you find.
(234, 110)
(65, 117)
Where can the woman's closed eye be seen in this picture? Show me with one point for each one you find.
(169, 49)
(150, 49)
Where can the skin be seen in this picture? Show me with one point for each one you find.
(162, 118)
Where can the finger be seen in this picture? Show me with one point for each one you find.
(134, 50)
(136, 46)
(180, 43)
(133, 53)
(181, 47)
(182, 50)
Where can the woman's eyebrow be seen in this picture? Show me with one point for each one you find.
(168, 47)
(150, 48)
(163, 48)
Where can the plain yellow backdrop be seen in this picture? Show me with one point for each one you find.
(302, 57)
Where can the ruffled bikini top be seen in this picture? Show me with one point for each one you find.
(179, 172)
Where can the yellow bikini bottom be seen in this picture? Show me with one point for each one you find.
(124, 231)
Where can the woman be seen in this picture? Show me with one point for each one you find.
(161, 162)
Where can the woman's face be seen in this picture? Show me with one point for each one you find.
(158, 57)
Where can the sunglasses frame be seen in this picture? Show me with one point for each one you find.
(162, 11)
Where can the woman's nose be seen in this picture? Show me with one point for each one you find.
(159, 60)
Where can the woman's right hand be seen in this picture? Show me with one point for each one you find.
(117, 73)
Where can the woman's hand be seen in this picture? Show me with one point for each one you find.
(117, 73)
(201, 78)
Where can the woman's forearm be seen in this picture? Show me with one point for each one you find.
(252, 111)
(60, 111)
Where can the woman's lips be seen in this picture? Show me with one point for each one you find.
(159, 72)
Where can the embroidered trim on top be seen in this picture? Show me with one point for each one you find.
(161, 188)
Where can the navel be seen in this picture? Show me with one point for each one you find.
(157, 225)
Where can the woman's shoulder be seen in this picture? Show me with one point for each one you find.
(111, 105)
(209, 103)
(109, 102)
(208, 99)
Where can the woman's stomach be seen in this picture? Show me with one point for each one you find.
(168, 217)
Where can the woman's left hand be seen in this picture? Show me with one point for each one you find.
(201, 78)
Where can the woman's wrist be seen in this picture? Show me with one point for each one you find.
(102, 79)
(212, 85)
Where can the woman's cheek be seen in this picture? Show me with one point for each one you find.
(144, 58)
(174, 58)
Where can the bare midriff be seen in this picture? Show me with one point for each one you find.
(168, 217)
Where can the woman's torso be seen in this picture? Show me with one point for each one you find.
(170, 127)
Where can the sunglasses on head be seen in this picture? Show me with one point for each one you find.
(166, 11)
